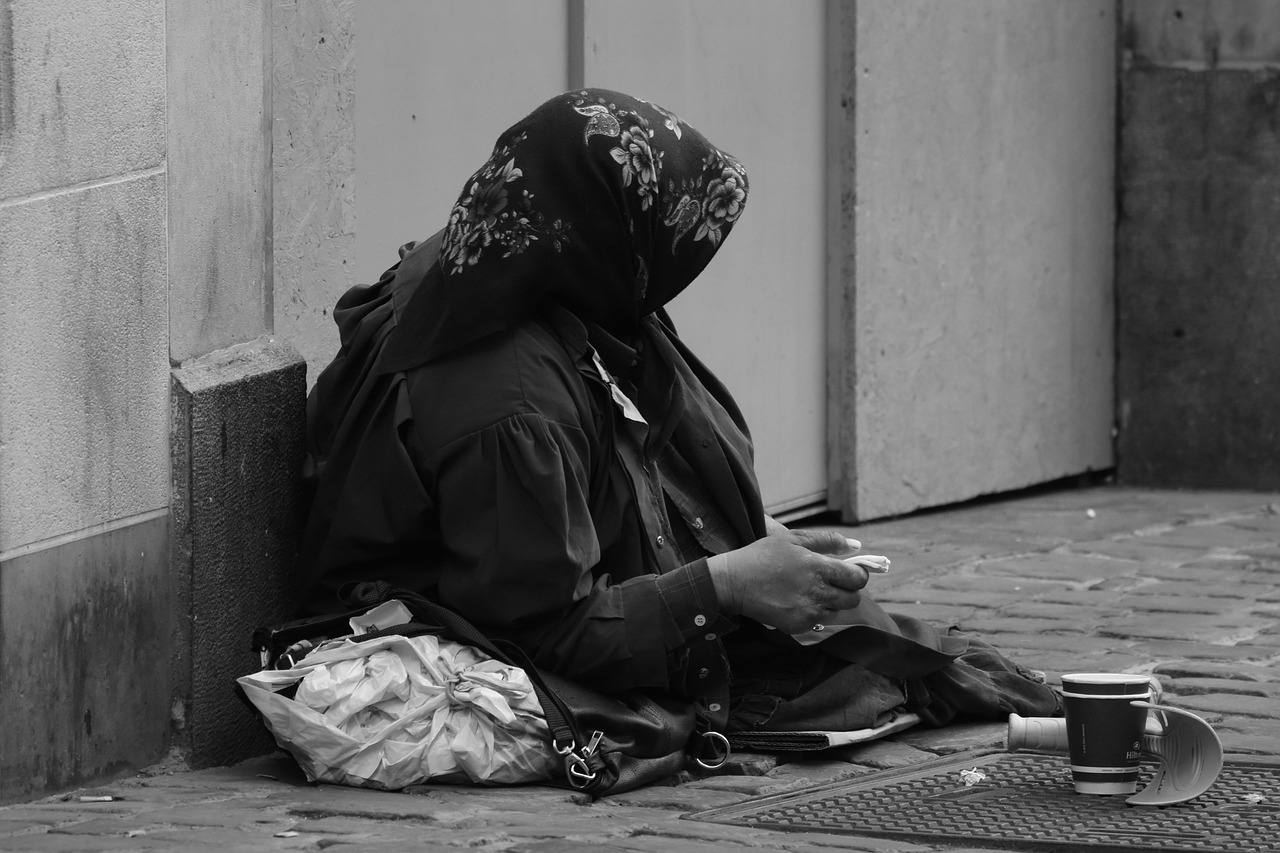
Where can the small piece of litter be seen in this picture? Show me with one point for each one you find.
(268, 776)
(288, 833)
(1089, 513)
(1254, 798)
(106, 799)
(972, 777)
(134, 833)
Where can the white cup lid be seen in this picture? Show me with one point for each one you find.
(1107, 678)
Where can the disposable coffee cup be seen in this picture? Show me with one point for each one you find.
(1104, 730)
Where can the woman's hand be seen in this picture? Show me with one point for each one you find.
(790, 580)
(773, 527)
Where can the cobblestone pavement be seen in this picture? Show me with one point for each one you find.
(1179, 584)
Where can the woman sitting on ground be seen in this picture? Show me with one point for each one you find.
(514, 429)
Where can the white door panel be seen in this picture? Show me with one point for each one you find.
(750, 75)
(436, 82)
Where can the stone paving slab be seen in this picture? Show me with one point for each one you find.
(1244, 746)
(1157, 601)
(1051, 612)
(1013, 625)
(1244, 687)
(1264, 707)
(999, 585)
(1173, 650)
(1189, 670)
(1061, 565)
(1145, 551)
(1180, 584)
(924, 594)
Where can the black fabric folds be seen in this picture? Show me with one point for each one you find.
(467, 445)
(596, 201)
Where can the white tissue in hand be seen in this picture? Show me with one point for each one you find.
(870, 562)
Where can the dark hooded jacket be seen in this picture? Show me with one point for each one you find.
(513, 428)
(468, 442)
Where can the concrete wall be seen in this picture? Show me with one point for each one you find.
(1198, 274)
(237, 391)
(422, 127)
(313, 171)
(84, 480)
(237, 446)
(219, 135)
(751, 76)
(976, 308)
(140, 203)
(135, 234)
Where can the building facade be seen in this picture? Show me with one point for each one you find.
(919, 307)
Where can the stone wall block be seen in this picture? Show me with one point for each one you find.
(1199, 366)
(219, 166)
(1161, 237)
(1165, 123)
(1202, 33)
(85, 99)
(238, 425)
(1243, 219)
(1243, 125)
(1198, 246)
(313, 171)
(83, 657)
(84, 362)
(985, 204)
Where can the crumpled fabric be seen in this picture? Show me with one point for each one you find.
(982, 684)
(794, 688)
(398, 711)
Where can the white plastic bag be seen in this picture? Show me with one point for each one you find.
(398, 711)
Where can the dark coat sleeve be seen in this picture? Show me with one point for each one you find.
(477, 480)
(521, 554)
(535, 533)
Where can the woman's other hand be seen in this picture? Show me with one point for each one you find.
(791, 580)
(823, 541)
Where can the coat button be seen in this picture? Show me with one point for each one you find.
(704, 672)
(697, 524)
(699, 620)
(661, 540)
(709, 637)
(713, 707)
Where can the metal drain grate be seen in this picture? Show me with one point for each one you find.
(1025, 802)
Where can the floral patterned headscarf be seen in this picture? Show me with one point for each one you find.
(597, 201)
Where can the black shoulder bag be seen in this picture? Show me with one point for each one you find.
(607, 743)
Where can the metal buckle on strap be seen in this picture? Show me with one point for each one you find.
(578, 772)
(577, 768)
(719, 750)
